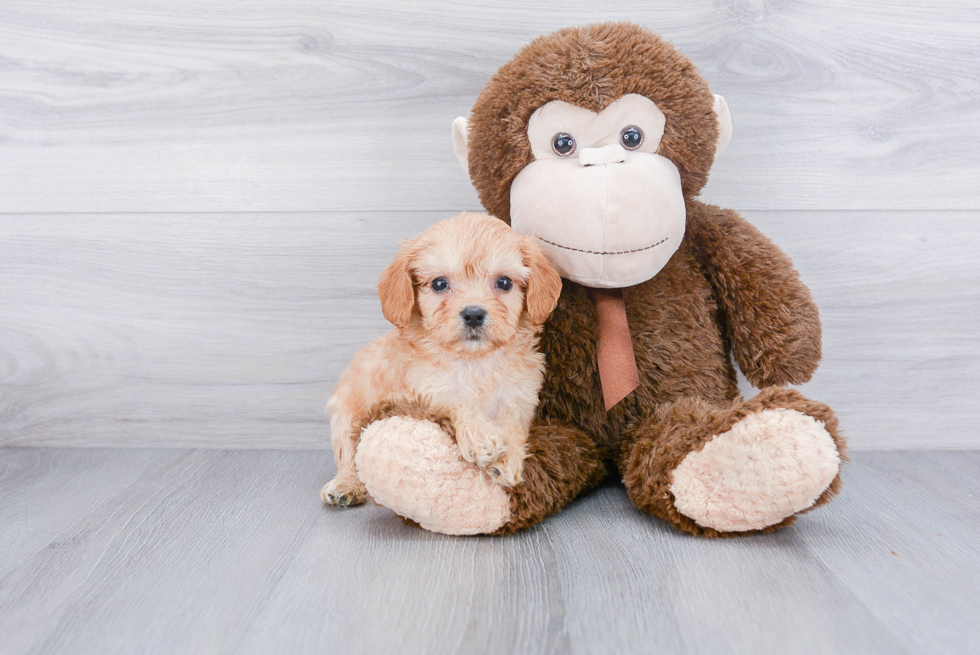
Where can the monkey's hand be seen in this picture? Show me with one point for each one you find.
(772, 322)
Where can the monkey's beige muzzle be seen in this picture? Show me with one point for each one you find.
(609, 154)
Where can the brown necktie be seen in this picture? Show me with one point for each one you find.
(614, 346)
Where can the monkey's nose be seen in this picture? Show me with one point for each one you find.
(610, 154)
(473, 316)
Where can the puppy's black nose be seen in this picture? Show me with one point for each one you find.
(473, 316)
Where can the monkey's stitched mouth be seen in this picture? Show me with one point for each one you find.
(599, 252)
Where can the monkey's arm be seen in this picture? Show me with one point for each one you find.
(769, 316)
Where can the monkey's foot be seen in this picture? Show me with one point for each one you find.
(767, 467)
(415, 469)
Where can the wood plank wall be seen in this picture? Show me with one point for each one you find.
(197, 196)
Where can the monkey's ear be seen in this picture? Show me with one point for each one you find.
(724, 124)
(396, 291)
(543, 284)
(461, 143)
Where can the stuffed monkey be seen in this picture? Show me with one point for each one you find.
(597, 140)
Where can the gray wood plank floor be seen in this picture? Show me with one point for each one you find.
(165, 551)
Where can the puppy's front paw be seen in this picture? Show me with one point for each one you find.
(481, 444)
(345, 490)
(507, 470)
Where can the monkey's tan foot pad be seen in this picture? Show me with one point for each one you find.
(415, 469)
(765, 468)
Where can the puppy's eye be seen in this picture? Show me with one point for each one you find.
(504, 283)
(563, 144)
(631, 137)
(440, 284)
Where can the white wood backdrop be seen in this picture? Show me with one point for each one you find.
(197, 196)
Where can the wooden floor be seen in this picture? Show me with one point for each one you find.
(207, 551)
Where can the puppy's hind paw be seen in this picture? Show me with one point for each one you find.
(344, 490)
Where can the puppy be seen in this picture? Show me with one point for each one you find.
(467, 297)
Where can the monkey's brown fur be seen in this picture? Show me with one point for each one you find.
(727, 291)
(591, 67)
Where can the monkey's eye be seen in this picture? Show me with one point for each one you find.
(504, 283)
(631, 137)
(563, 144)
(440, 284)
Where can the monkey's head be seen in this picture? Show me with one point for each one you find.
(592, 139)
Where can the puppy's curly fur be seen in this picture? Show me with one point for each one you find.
(478, 378)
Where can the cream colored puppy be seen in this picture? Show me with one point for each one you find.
(467, 297)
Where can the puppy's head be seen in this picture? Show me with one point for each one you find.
(470, 283)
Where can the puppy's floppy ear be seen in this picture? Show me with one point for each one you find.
(543, 283)
(395, 289)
